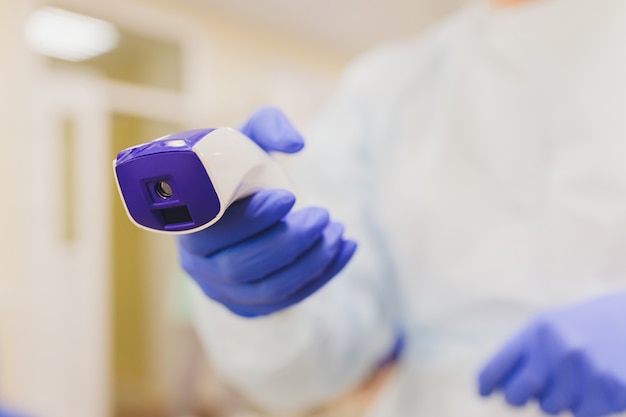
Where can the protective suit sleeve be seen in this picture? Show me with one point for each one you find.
(328, 344)
(568, 359)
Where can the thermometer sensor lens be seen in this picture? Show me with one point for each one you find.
(163, 190)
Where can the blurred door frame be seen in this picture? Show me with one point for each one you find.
(63, 205)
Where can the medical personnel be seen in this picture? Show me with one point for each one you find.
(481, 171)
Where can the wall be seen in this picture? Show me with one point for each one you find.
(242, 67)
(10, 313)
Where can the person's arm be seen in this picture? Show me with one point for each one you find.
(305, 346)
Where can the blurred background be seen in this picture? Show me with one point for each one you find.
(93, 318)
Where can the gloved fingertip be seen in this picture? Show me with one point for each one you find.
(267, 111)
(285, 136)
(349, 248)
(243, 313)
(314, 218)
(272, 131)
(528, 383)
(485, 387)
(291, 140)
(550, 407)
(334, 230)
(495, 372)
(347, 251)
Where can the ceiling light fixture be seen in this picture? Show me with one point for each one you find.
(67, 35)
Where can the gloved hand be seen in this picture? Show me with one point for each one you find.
(572, 358)
(262, 256)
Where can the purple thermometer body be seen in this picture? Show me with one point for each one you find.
(165, 185)
(184, 182)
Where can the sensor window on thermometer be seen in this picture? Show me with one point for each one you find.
(184, 182)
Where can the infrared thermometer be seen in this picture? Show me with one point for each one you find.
(184, 182)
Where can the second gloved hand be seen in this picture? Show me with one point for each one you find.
(569, 359)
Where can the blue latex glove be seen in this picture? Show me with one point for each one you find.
(262, 256)
(572, 359)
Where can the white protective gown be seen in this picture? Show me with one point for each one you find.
(482, 168)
